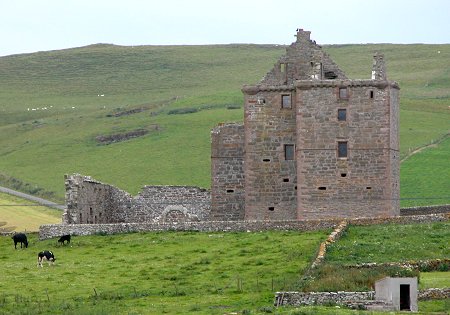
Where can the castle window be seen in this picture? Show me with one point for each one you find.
(343, 93)
(230, 191)
(342, 149)
(286, 180)
(322, 188)
(342, 114)
(266, 160)
(371, 94)
(271, 208)
(286, 101)
(289, 151)
(343, 174)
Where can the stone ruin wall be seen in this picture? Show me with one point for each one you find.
(227, 172)
(92, 202)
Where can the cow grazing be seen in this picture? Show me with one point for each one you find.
(46, 255)
(20, 238)
(64, 238)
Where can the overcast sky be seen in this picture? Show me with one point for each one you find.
(35, 25)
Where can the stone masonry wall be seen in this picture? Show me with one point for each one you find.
(425, 210)
(227, 172)
(90, 201)
(56, 230)
(270, 178)
(357, 185)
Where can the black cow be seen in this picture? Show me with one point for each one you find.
(20, 238)
(46, 255)
(64, 238)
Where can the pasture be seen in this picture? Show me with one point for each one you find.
(154, 273)
(201, 273)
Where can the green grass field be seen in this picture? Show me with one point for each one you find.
(40, 146)
(155, 273)
(190, 272)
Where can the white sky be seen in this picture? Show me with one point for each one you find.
(35, 25)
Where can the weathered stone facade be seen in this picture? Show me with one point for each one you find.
(314, 144)
(92, 202)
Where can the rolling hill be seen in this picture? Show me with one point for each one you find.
(56, 106)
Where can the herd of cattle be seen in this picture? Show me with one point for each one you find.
(45, 255)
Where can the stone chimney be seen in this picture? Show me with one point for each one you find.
(379, 67)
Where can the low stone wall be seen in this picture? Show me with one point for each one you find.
(425, 210)
(54, 230)
(321, 298)
(434, 294)
(333, 237)
(362, 300)
(421, 265)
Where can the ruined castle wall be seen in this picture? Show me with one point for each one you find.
(359, 184)
(92, 202)
(227, 172)
(270, 176)
(170, 203)
(89, 201)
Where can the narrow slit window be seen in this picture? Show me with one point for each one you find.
(286, 180)
(342, 149)
(266, 160)
(371, 94)
(289, 151)
(271, 208)
(343, 93)
(342, 114)
(368, 188)
(322, 188)
(286, 101)
(230, 191)
(343, 174)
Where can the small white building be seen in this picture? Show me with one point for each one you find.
(400, 292)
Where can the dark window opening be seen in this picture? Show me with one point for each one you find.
(343, 93)
(342, 149)
(266, 160)
(368, 187)
(230, 190)
(322, 188)
(271, 208)
(295, 187)
(330, 75)
(286, 101)
(81, 218)
(342, 114)
(289, 151)
(371, 94)
(405, 299)
(90, 211)
(312, 64)
(286, 180)
(343, 174)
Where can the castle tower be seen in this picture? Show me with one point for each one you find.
(314, 144)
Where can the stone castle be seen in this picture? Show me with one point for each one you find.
(314, 145)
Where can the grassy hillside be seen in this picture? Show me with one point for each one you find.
(39, 146)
